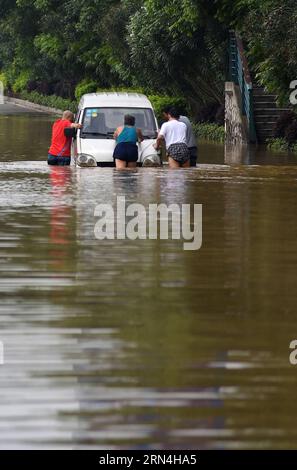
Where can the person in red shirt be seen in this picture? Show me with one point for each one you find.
(60, 149)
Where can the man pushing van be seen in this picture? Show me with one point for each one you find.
(60, 149)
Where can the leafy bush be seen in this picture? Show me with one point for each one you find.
(209, 131)
(3, 79)
(294, 148)
(212, 113)
(21, 82)
(160, 102)
(283, 123)
(278, 145)
(51, 101)
(84, 87)
(291, 133)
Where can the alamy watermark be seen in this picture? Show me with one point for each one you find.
(293, 355)
(158, 221)
(293, 95)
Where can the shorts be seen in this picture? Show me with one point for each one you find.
(193, 155)
(127, 152)
(179, 152)
(58, 161)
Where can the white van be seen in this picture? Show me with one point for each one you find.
(100, 114)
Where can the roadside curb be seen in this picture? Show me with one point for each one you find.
(36, 107)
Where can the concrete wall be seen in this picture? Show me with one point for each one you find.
(236, 127)
(32, 106)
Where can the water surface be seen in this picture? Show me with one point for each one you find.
(121, 344)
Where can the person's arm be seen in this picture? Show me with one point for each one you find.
(161, 138)
(140, 136)
(76, 125)
(117, 132)
(159, 142)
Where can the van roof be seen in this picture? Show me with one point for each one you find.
(114, 99)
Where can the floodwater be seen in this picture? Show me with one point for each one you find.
(139, 344)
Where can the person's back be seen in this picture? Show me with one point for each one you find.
(174, 132)
(60, 143)
(191, 139)
(128, 135)
(126, 150)
(60, 149)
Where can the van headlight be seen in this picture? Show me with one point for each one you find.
(152, 160)
(85, 160)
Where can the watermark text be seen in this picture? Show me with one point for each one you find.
(158, 221)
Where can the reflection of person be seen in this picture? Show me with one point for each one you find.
(126, 151)
(60, 149)
(174, 133)
(191, 139)
(60, 221)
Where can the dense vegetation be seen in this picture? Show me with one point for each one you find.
(173, 47)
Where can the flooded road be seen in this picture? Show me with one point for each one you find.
(139, 344)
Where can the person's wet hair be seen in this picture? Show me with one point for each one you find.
(173, 112)
(166, 109)
(129, 120)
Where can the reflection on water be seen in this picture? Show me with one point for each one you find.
(120, 344)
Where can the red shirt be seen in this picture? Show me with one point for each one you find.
(61, 145)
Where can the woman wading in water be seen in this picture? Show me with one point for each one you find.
(126, 151)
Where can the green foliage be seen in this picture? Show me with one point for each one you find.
(4, 80)
(285, 132)
(48, 45)
(50, 101)
(273, 47)
(294, 148)
(278, 145)
(84, 87)
(21, 82)
(159, 102)
(172, 48)
(209, 131)
(175, 48)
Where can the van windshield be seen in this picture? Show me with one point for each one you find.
(100, 123)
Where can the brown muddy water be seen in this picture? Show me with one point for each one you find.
(141, 345)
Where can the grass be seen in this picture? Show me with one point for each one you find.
(209, 131)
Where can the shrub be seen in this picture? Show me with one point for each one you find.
(291, 133)
(294, 148)
(51, 101)
(84, 87)
(212, 113)
(160, 102)
(278, 145)
(4, 79)
(209, 131)
(21, 82)
(283, 123)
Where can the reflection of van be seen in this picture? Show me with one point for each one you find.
(100, 114)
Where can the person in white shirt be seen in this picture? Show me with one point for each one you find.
(174, 133)
(191, 138)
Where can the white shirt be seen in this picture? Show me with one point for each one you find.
(174, 132)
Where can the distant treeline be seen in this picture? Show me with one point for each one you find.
(172, 47)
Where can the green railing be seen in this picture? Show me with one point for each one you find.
(240, 74)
